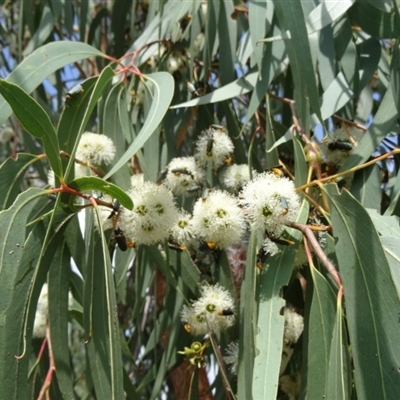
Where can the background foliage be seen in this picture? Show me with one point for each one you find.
(279, 75)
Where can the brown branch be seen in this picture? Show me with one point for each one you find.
(308, 233)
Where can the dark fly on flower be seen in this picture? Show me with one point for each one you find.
(120, 239)
(182, 171)
(278, 240)
(226, 313)
(340, 145)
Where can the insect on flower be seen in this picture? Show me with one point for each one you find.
(340, 145)
(120, 239)
(226, 312)
(116, 206)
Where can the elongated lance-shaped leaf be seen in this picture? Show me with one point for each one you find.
(50, 57)
(370, 296)
(14, 374)
(239, 87)
(73, 115)
(34, 120)
(247, 323)
(12, 239)
(269, 332)
(162, 87)
(58, 289)
(113, 335)
(290, 16)
(339, 362)
(12, 172)
(384, 121)
(104, 78)
(319, 334)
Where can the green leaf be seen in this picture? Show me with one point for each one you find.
(112, 126)
(269, 331)
(392, 250)
(239, 87)
(376, 23)
(50, 57)
(319, 335)
(34, 120)
(58, 289)
(88, 183)
(42, 32)
(12, 172)
(73, 115)
(102, 82)
(339, 363)
(384, 224)
(162, 88)
(247, 323)
(290, 16)
(384, 120)
(365, 187)
(106, 331)
(16, 268)
(370, 296)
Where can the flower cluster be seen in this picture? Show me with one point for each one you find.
(217, 219)
(214, 147)
(152, 217)
(270, 201)
(214, 311)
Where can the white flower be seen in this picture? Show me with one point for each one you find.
(213, 147)
(294, 325)
(194, 323)
(6, 134)
(293, 328)
(183, 174)
(137, 180)
(218, 219)
(235, 176)
(232, 356)
(217, 306)
(290, 385)
(152, 217)
(270, 201)
(269, 247)
(95, 149)
(42, 314)
(181, 231)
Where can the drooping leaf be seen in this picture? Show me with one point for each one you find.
(35, 120)
(290, 16)
(50, 57)
(339, 379)
(370, 296)
(269, 324)
(247, 323)
(12, 173)
(321, 321)
(162, 86)
(58, 289)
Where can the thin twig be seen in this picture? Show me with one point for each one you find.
(52, 368)
(308, 233)
(349, 171)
